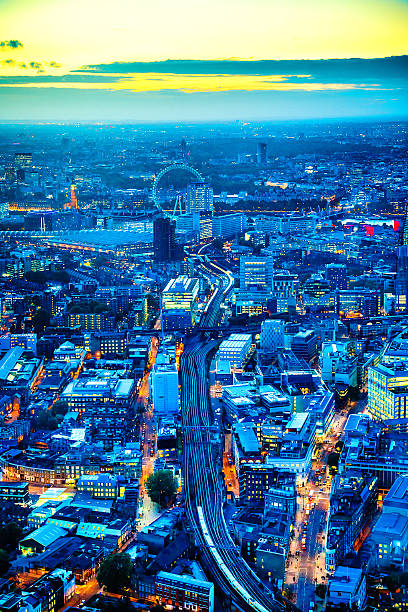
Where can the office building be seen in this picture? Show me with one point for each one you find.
(336, 275)
(401, 281)
(235, 349)
(388, 391)
(353, 503)
(228, 226)
(164, 239)
(15, 492)
(272, 335)
(390, 532)
(185, 592)
(206, 225)
(262, 153)
(179, 303)
(347, 589)
(103, 402)
(101, 486)
(357, 301)
(375, 448)
(26, 341)
(164, 387)
(91, 321)
(304, 345)
(256, 272)
(23, 160)
(199, 197)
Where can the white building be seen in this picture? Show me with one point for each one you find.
(330, 357)
(68, 352)
(256, 272)
(228, 226)
(199, 197)
(235, 349)
(164, 386)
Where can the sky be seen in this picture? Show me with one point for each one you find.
(134, 60)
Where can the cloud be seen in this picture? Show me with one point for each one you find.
(10, 63)
(353, 69)
(11, 44)
(36, 66)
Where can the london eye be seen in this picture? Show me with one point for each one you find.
(157, 189)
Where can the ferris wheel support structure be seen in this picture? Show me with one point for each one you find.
(167, 170)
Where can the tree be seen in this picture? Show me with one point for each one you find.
(60, 407)
(333, 460)
(161, 487)
(395, 580)
(4, 562)
(321, 590)
(115, 572)
(10, 535)
(339, 446)
(46, 420)
(41, 319)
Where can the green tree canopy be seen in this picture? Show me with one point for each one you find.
(60, 407)
(333, 460)
(10, 535)
(321, 590)
(115, 572)
(41, 319)
(161, 487)
(46, 420)
(4, 562)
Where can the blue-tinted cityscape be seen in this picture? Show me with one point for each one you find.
(204, 367)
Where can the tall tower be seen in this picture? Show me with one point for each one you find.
(164, 239)
(199, 197)
(183, 150)
(401, 280)
(73, 203)
(262, 153)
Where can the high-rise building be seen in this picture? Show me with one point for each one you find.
(256, 272)
(262, 153)
(205, 224)
(183, 150)
(164, 232)
(401, 281)
(23, 160)
(336, 275)
(353, 503)
(199, 197)
(304, 345)
(272, 335)
(388, 391)
(179, 303)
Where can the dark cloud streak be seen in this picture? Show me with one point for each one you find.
(339, 70)
(11, 44)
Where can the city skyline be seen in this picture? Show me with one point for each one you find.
(140, 63)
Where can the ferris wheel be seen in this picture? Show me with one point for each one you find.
(168, 170)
